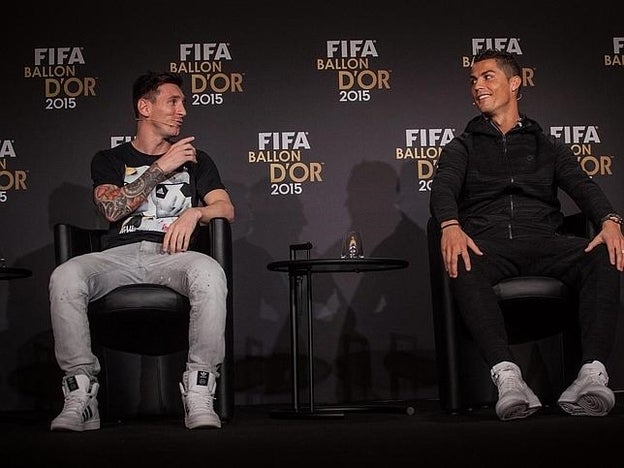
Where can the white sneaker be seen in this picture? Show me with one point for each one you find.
(198, 389)
(588, 395)
(515, 399)
(80, 411)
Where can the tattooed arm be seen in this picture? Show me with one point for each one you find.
(116, 202)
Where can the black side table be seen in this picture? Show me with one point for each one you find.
(298, 269)
(9, 273)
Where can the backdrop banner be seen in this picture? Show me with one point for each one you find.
(323, 118)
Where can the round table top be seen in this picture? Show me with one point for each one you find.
(332, 265)
(8, 273)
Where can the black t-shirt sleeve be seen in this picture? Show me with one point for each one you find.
(107, 168)
(207, 175)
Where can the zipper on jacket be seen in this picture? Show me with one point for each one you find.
(511, 178)
(511, 181)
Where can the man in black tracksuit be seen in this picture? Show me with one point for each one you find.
(494, 195)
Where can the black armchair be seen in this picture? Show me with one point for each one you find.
(543, 333)
(140, 332)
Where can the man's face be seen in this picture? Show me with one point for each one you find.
(167, 111)
(491, 90)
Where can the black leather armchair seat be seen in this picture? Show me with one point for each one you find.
(142, 319)
(541, 324)
(140, 332)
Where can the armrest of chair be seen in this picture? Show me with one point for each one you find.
(215, 239)
(221, 242)
(71, 240)
(579, 225)
(445, 325)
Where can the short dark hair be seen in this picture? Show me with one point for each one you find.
(146, 85)
(505, 60)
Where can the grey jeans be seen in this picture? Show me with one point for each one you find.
(88, 277)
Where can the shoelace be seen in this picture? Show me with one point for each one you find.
(507, 380)
(198, 400)
(76, 402)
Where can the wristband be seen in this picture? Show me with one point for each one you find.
(616, 218)
(449, 225)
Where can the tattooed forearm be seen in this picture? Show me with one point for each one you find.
(116, 202)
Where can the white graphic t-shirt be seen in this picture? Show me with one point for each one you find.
(184, 188)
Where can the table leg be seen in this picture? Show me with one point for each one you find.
(294, 288)
(310, 341)
(295, 298)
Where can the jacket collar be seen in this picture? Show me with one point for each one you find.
(481, 124)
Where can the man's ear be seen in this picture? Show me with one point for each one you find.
(144, 107)
(516, 81)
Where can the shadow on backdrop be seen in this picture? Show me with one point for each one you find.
(33, 376)
(262, 320)
(393, 308)
(372, 319)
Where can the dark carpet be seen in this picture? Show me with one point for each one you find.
(255, 437)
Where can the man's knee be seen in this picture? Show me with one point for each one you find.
(207, 272)
(599, 255)
(64, 275)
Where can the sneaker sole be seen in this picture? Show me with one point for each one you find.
(518, 412)
(587, 405)
(591, 403)
(212, 424)
(87, 426)
(519, 409)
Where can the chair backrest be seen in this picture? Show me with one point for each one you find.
(524, 297)
(214, 239)
(576, 224)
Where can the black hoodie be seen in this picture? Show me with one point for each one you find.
(506, 185)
